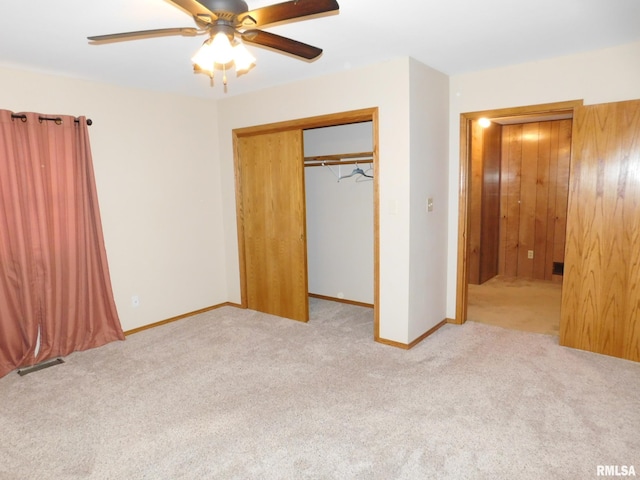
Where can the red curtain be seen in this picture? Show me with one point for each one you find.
(55, 290)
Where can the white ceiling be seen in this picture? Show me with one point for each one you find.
(453, 36)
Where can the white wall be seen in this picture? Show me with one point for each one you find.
(339, 215)
(384, 85)
(168, 206)
(601, 76)
(157, 175)
(429, 158)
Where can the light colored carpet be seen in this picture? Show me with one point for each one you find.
(517, 303)
(236, 394)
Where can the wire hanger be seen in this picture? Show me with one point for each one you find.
(365, 176)
(356, 171)
(337, 175)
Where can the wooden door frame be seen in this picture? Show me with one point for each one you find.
(465, 185)
(330, 120)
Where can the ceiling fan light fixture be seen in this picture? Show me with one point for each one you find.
(216, 50)
(221, 49)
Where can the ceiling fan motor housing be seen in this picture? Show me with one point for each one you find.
(224, 27)
(223, 8)
(226, 12)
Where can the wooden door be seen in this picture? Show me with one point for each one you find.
(271, 181)
(601, 291)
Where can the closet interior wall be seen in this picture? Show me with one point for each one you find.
(340, 257)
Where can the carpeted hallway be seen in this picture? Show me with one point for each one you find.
(516, 303)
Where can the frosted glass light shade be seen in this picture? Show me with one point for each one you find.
(204, 57)
(243, 59)
(217, 50)
(221, 49)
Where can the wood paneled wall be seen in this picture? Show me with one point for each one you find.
(534, 182)
(490, 202)
(475, 209)
(601, 291)
(484, 214)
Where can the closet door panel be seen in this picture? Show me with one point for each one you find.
(273, 213)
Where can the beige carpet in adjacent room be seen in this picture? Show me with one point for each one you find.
(237, 394)
(516, 303)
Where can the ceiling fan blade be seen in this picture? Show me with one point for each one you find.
(283, 44)
(286, 11)
(189, 31)
(199, 11)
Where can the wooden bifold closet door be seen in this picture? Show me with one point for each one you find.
(601, 290)
(271, 181)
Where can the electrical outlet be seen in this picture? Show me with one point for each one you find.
(529, 254)
(135, 301)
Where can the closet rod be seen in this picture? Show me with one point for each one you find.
(337, 162)
(339, 156)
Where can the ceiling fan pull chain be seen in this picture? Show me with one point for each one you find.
(224, 74)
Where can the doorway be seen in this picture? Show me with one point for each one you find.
(491, 256)
(259, 276)
(339, 207)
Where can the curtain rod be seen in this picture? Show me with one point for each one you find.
(58, 120)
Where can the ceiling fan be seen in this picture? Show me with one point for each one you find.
(227, 22)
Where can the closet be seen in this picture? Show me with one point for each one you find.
(338, 174)
(316, 175)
